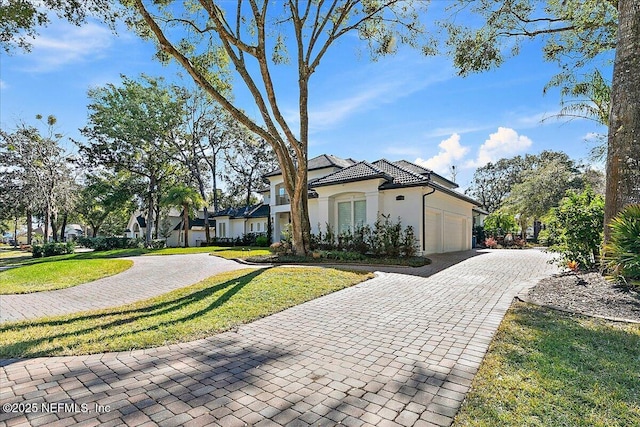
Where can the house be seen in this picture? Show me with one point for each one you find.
(171, 228)
(345, 194)
(237, 222)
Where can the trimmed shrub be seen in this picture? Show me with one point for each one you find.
(52, 249)
(158, 244)
(109, 243)
(622, 252)
(262, 241)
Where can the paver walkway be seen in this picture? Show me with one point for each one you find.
(395, 350)
(149, 276)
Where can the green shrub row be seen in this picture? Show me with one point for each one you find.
(51, 249)
(385, 239)
(109, 243)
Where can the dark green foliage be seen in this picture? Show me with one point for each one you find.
(109, 243)
(622, 253)
(576, 228)
(52, 249)
(384, 239)
(262, 241)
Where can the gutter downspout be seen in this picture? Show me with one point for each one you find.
(424, 214)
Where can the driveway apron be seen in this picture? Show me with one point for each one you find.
(397, 350)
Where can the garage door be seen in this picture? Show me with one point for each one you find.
(433, 232)
(454, 233)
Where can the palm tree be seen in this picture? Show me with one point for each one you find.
(189, 200)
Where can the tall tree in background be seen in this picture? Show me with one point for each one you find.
(104, 194)
(131, 128)
(256, 34)
(37, 166)
(623, 154)
(246, 163)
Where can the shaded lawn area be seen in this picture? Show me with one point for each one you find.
(58, 275)
(25, 258)
(546, 368)
(213, 305)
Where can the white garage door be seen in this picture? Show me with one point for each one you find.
(454, 233)
(433, 232)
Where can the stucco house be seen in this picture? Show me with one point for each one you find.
(236, 222)
(345, 194)
(172, 226)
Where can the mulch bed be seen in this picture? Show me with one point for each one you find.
(587, 293)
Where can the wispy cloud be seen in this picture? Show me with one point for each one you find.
(372, 89)
(3, 85)
(63, 44)
(450, 152)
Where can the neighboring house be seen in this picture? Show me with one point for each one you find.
(137, 226)
(73, 231)
(172, 226)
(236, 222)
(346, 194)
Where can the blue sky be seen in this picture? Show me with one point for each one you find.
(405, 106)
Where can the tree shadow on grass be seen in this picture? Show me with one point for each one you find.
(169, 311)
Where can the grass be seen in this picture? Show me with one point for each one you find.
(545, 368)
(216, 304)
(231, 253)
(58, 275)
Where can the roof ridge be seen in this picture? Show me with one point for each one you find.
(414, 164)
(403, 169)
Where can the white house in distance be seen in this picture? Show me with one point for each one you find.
(344, 194)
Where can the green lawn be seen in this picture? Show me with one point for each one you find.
(231, 253)
(57, 275)
(550, 369)
(197, 311)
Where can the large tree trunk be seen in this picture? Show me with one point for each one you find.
(150, 207)
(29, 226)
(65, 217)
(623, 154)
(185, 220)
(300, 226)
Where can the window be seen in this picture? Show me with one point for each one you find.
(223, 230)
(251, 227)
(351, 215)
(258, 226)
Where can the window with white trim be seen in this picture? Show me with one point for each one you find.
(351, 215)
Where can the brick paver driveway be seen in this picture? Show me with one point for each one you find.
(396, 350)
(149, 276)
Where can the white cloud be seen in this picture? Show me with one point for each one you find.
(504, 143)
(450, 151)
(3, 85)
(65, 44)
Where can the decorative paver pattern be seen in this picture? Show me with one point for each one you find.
(148, 277)
(397, 350)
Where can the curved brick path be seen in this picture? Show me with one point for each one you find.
(396, 350)
(148, 277)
